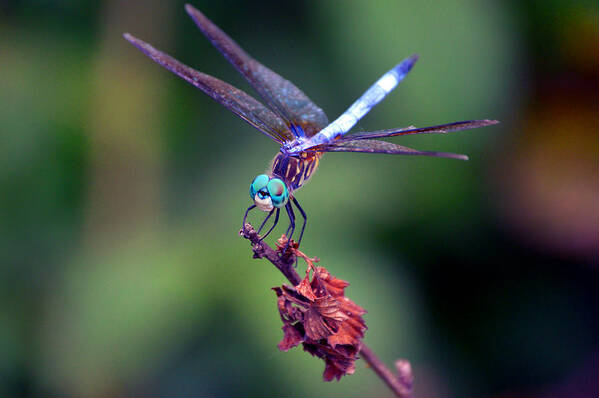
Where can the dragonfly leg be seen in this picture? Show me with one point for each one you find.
(303, 213)
(291, 228)
(246, 216)
(265, 220)
(273, 225)
(290, 223)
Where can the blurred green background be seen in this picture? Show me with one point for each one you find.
(123, 188)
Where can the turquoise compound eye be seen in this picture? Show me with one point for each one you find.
(278, 192)
(259, 183)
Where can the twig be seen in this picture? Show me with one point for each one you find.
(400, 384)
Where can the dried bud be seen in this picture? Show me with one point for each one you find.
(317, 314)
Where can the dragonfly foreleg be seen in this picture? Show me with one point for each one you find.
(291, 227)
(273, 225)
(303, 213)
(246, 216)
(265, 220)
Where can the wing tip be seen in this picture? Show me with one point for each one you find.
(195, 14)
(129, 37)
(490, 122)
(142, 45)
(448, 155)
(190, 9)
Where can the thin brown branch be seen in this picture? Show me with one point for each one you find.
(400, 383)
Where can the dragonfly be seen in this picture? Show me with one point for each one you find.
(292, 120)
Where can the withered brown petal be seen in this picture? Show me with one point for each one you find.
(329, 307)
(305, 289)
(350, 308)
(323, 279)
(332, 370)
(291, 337)
(346, 335)
(338, 362)
(328, 324)
(315, 326)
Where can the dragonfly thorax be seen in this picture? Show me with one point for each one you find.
(295, 170)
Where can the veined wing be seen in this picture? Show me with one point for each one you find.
(440, 129)
(282, 96)
(375, 146)
(230, 97)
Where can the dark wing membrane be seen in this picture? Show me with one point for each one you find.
(375, 146)
(440, 129)
(230, 97)
(282, 96)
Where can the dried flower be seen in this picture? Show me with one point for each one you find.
(317, 314)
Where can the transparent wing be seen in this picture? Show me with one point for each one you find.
(375, 146)
(281, 96)
(230, 97)
(440, 129)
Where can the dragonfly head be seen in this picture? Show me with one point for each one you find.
(268, 192)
